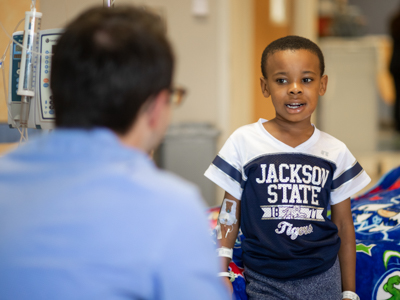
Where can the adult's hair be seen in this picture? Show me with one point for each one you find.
(394, 26)
(107, 64)
(291, 42)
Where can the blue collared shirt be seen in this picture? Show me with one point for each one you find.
(83, 217)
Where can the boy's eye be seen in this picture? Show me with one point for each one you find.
(307, 80)
(281, 80)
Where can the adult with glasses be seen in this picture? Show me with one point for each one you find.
(84, 212)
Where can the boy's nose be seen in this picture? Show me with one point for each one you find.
(295, 89)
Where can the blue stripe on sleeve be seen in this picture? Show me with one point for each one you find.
(227, 169)
(347, 176)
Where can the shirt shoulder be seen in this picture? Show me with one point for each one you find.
(349, 176)
(243, 144)
(331, 142)
(245, 132)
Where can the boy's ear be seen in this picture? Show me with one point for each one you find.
(323, 85)
(264, 87)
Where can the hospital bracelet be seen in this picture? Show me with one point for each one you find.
(350, 295)
(225, 252)
(229, 274)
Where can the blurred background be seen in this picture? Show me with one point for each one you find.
(218, 46)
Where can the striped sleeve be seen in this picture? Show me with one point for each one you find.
(349, 178)
(226, 171)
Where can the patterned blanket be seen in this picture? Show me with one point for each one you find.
(376, 216)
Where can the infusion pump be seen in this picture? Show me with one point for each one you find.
(41, 110)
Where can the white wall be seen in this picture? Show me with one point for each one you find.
(305, 16)
(241, 63)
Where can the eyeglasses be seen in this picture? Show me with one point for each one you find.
(177, 94)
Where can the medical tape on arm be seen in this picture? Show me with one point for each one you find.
(227, 216)
(218, 231)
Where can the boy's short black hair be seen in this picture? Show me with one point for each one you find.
(291, 42)
(106, 65)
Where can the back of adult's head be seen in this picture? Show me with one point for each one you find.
(394, 26)
(107, 65)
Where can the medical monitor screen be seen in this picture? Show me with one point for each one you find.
(18, 48)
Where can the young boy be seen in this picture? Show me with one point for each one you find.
(279, 177)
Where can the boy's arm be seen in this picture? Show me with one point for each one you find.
(228, 240)
(342, 217)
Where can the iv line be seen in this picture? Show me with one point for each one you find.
(4, 79)
(18, 43)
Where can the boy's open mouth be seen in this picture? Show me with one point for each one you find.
(294, 105)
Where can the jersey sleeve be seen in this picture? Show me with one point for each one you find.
(348, 179)
(226, 169)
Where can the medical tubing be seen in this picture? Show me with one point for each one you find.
(18, 43)
(24, 112)
(9, 44)
(3, 58)
(5, 97)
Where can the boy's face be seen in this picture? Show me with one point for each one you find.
(294, 84)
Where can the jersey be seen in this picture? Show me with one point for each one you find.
(285, 193)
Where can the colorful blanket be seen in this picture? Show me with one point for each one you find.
(376, 216)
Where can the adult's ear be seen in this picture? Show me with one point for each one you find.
(323, 85)
(159, 110)
(264, 87)
(150, 124)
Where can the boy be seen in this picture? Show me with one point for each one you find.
(279, 177)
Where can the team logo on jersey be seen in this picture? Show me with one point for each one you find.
(292, 212)
(293, 183)
(293, 190)
(292, 231)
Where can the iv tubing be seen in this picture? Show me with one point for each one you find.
(6, 96)
(4, 77)
(19, 44)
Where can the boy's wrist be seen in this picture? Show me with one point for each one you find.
(350, 295)
(228, 274)
(225, 252)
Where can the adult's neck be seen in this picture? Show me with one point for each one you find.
(139, 136)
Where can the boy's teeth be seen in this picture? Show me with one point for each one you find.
(294, 105)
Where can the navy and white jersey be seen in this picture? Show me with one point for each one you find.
(284, 193)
